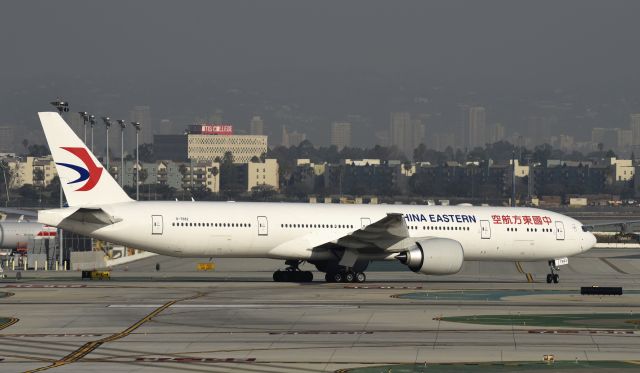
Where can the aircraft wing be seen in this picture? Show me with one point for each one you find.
(375, 238)
(378, 236)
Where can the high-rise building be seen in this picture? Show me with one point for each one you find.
(341, 134)
(166, 127)
(496, 133)
(7, 139)
(539, 127)
(292, 138)
(406, 133)
(608, 137)
(635, 129)
(625, 139)
(171, 147)
(566, 142)
(477, 127)
(142, 115)
(400, 132)
(257, 126)
(419, 133)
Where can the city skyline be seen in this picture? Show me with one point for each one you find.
(407, 131)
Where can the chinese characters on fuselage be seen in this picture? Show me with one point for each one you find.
(521, 219)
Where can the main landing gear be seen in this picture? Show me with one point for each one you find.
(345, 276)
(292, 273)
(553, 277)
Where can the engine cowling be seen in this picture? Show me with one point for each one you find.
(434, 256)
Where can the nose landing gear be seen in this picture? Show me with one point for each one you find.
(553, 277)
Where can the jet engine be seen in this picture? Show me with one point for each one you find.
(434, 256)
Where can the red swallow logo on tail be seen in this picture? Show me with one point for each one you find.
(91, 173)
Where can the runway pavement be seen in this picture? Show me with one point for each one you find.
(236, 319)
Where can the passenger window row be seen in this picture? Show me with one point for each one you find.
(438, 228)
(218, 225)
(339, 226)
(531, 229)
(541, 230)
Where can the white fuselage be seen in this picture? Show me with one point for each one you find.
(298, 231)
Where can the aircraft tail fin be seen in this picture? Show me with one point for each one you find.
(84, 181)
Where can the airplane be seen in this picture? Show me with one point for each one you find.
(16, 234)
(340, 240)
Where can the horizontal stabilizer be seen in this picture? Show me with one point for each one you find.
(93, 216)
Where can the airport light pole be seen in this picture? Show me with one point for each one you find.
(3, 165)
(62, 107)
(107, 123)
(92, 122)
(513, 179)
(137, 126)
(85, 120)
(122, 124)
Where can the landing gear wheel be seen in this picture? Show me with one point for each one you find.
(337, 277)
(360, 277)
(553, 277)
(328, 277)
(349, 277)
(292, 273)
(307, 276)
(277, 276)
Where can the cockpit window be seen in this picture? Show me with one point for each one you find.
(587, 228)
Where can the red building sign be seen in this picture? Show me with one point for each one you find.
(216, 129)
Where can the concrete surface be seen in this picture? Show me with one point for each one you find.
(236, 319)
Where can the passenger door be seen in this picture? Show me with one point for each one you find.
(559, 230)
(364, 222)
(485, 229)
(156, 224)
(263, 226)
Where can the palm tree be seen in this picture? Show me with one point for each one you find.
(407, 168)
(214, 173)
(143, 174)
(38, 176)
(183, 171)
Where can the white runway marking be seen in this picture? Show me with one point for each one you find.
(230, 306)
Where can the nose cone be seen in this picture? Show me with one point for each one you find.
(589, 241)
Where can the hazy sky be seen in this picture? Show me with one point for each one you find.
(566, 40)
(306, 63)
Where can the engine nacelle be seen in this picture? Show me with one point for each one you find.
(434, 256)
